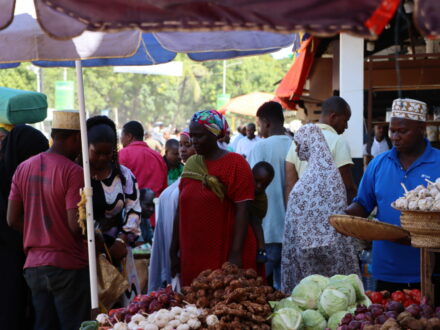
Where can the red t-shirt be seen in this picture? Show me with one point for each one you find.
(48, 185)
(147, 166)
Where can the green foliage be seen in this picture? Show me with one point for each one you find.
(150, 98)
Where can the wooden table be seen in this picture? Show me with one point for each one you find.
(427, 267)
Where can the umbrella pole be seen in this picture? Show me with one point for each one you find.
(88, 189)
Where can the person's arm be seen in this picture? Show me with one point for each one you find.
(72, 222)
(291, 180)
(347, 178)
(15, 215)
(175, 246)
(239, 234)
(356, 210)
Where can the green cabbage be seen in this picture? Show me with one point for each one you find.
(306, 294)
(346, 288)
(287, 319)
(335, 319)
(313, 320)
(365, 301)
(354, 280)
(285, 303)
(357, 285)
(332, 301)
(320, 280)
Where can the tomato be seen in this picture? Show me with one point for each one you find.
(376, 297)
(398, 296)
(408, 302)
(384, 302)
(385, 294)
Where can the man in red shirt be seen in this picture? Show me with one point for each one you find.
(43, 206)
(146, 164)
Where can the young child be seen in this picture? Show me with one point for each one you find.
(263, 176)
(146, 198)
(173, 161)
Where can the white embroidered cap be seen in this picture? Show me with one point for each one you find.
(409, 109)
(66, 119)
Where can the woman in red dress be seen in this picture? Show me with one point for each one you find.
(212, 223)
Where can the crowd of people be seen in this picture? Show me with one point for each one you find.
(259, 202)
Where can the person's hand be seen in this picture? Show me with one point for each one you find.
(118, 250)
(235, 258)
(404, 241)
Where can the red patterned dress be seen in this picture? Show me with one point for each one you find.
(206, 223)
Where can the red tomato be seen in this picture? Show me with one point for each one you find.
(376, 297)
(408, 302)
(398, 296)
(384, 302)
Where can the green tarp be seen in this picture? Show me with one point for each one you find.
(20, 107)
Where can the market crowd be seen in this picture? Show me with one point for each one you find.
(260, 201)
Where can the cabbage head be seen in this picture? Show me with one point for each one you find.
(335, 319)
(306, 294)
(365, 301)
(332, 301)
(357, 285)
(287, 319)
(313, 320)
(320, 280)
(285, 303)
(346, 288)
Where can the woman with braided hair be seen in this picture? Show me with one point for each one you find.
(116, 206)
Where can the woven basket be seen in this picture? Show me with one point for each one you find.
(424, 228)
(366, 229)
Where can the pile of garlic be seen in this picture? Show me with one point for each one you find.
(421, 198)
(186, 318)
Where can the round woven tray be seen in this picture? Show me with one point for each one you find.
(366, 229)
(424, 228)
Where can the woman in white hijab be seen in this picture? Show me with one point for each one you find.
(311, 245)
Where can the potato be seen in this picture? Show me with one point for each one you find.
(411, 323)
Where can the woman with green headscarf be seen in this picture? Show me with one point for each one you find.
(212, 223)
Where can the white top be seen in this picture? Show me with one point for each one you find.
(377, 147)
(245, 145)
(273, 150)
(337, 144)
(159, 271)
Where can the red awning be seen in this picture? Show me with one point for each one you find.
(68, 18)
(291, 87)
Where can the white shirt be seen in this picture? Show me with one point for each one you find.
(245, 145)
(378, 147)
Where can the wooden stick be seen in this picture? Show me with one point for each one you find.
(404, 188)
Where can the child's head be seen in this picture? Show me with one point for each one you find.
(172, 152)
(263, 176)
(147, 204)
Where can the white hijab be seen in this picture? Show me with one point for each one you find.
(319, 193)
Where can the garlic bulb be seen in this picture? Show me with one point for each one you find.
(212, 320)
(413, 204)
(402, 203)
(436, 205)
(194, 323)
(137, 318)
(423, 193)
(183, 327)
(120, 326)
(102, 318)
(425, 204)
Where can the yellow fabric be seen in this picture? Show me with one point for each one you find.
(337, 144)
(195, 168)
(6, 127)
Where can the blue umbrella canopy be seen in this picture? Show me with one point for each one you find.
(157, 48)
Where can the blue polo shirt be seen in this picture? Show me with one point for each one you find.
(380, 186)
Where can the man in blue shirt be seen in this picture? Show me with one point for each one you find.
(396, 266)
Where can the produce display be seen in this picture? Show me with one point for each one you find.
(405, 297)
(319, 302)
(421, 198)
(393, 316)
(180, 318)
(237, 297)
